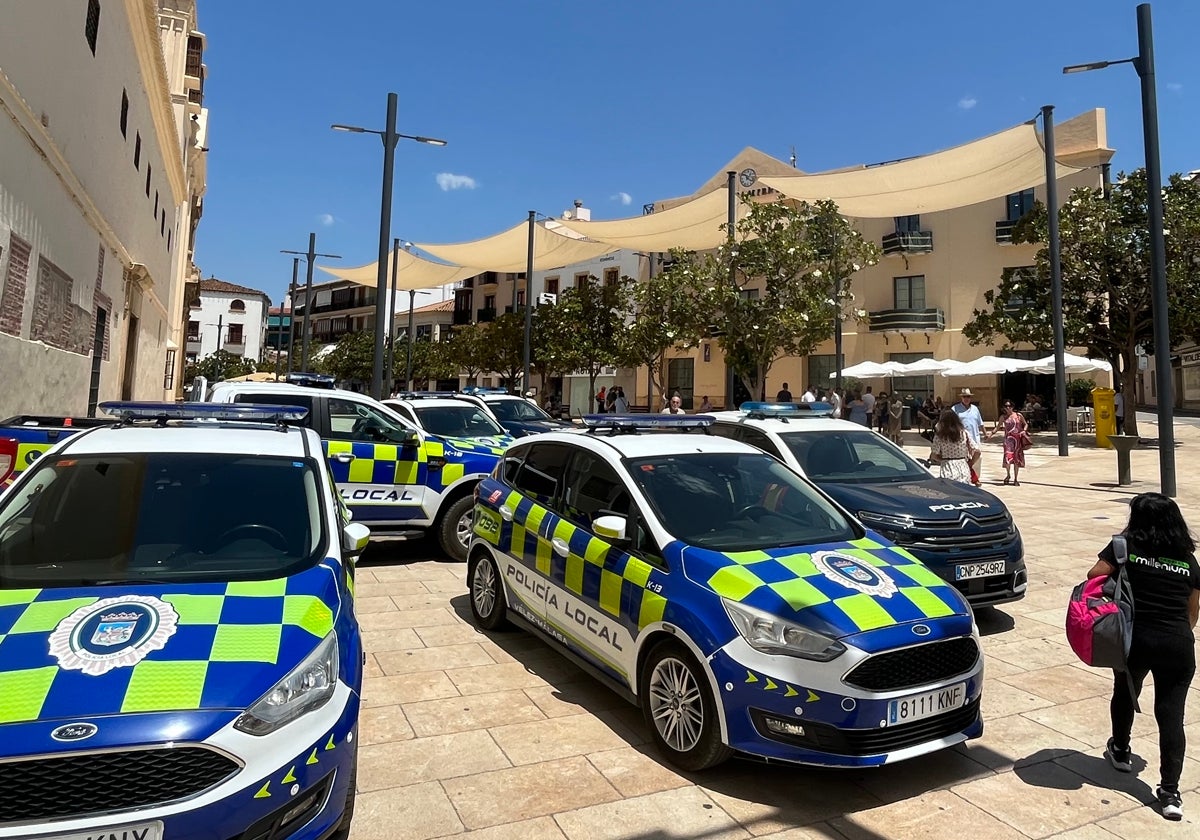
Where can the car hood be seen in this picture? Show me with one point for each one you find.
(931, 499)
(489, 445)
(107, 650)
(520, 428)
(838, 589)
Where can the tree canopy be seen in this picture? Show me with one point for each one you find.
(219, 365)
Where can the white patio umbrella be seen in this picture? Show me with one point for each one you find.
(926, 366)
(988, 366)
(871, 370)
(1073, 364)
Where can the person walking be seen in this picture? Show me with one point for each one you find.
(1165, 580)
(895, 413)
(1015, 427)
(856, 410)
(620, 405)
(601, 399)
(835, 400)
(972, 421)
(951, 448)
(810, 395)
(675, 406)
(784, 395)
(880, 416)
(869, 399)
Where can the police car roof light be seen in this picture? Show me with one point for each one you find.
(633, 423)
(479, 389)
(312, 380)
(426, 395)
(784, 411)
(241, 412)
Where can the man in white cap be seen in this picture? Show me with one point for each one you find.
(972, 421)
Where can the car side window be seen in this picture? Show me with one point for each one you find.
(724, 430)
(350, 420)
(301, 400)
(760, 440)
(592, 489)
(506, 469)
(543, 471)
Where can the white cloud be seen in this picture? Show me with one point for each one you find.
(449, 181)
(1174, 87)
(623, 197)
(967, 103)
(326, 219)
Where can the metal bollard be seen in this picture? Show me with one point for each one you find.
(1124, 444)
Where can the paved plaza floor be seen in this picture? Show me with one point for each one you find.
(476, 735)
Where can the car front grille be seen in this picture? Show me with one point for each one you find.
(81, 784)
(913, 666)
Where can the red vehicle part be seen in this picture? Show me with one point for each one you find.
(8, 460)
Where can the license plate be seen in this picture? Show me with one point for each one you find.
(140, 831)
(931, 703)
(977, 570)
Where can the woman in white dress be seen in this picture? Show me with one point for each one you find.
(952, 448)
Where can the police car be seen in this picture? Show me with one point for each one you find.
(518, 416)
(179, 653)
(963, 533)
(711, 585)
(401, 480)
(447, 415)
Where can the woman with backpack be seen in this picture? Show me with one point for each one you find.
(1165, 580)
(952, 448)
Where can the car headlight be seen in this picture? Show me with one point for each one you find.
(308, 686)
(901, 522)
(771, 634)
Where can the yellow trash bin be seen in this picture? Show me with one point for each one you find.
(1105, 413)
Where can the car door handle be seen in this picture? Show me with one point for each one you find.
(506, 513)
(344, 457)
(560, 547)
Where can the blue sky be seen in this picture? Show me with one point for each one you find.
(620, 103)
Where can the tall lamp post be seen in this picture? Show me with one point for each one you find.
(1143, 63)
(390, 137)
(412, 299)
(311, 254)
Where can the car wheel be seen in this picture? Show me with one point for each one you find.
(680, 710)
(343, 830)
(487, 593)
(454, 532)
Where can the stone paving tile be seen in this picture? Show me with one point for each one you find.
(907, 779)
(400, 763)
(1043, 799)
(685, 812)
(534, 790)
(481, 679)
(431, 659)
(389, 588)
(440, 635)
(1147, 823)
(571, 698)
(364, 604)
(1001, 700)
(1031, 653)
(542, 828)
(816, 831)
(478, 711)
(1062, 683)
(371, 667)
(1085, 832)
(634, 772)
(938, 815)
(380, 724)
(417, 812)
(529, 743)
(386, 691)
(401, 638)
(1016, 740)
(769, 799)
(402, 618)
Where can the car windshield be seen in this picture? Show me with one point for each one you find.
(518, 410)
(853, 457)
(460, 421)
(160, 517)
(731, 501)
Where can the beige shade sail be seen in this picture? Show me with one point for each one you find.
(509, 251)
(993, 167)
(412, 273)
(693, 226)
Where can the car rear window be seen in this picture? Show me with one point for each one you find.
(174, 517)
(851, 457)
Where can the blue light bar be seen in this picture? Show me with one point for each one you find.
(479, 389)
(633, 422)
(426, 395)
(311, 380)
(784, 411)
(244, 412)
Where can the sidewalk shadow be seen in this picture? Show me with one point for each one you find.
(991, 621)
(1039, 770)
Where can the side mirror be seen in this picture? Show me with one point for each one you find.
(409, 438)
(355, 537)
(610, 527)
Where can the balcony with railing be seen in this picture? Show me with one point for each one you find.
(908, 242)
(1004, 231)
(461, 317)
(486, 314)
(489, 278)
(907, 320)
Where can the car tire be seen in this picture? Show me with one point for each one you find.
(454, 540)
(486, 593)
(342, 832)
(680, 710)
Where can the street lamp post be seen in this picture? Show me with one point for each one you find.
(390, 137)
(412, 298)
(311, 254)
(391, 321)
(1143, 63)
(291, 314)
(1056, 290)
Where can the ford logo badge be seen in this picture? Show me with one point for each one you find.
(74, 732)
(921, 629)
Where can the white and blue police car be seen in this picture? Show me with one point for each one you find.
(179, 653)
(724, 594)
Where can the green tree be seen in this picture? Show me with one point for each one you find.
(352, 359)
(432, 360)
(551, 344)
(506, 347)
(593, 316)
(667, 313)
(1105, 264)
(219, 365)
(467, 349)
(771, 293)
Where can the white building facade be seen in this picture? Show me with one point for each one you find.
(227, 317)
(98, 193)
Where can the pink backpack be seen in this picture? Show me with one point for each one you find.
(1100, 617)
